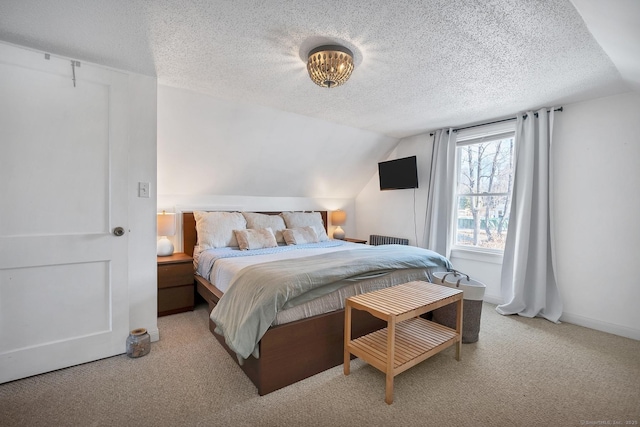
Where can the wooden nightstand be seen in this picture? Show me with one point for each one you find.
(175, 284)
(349, 239)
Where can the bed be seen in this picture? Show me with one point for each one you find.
(293, 348)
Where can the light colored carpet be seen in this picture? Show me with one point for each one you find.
(522, 372)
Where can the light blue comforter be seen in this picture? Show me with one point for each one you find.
(258, 292)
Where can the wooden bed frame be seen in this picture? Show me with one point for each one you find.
(293, 351)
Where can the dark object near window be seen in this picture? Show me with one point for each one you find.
(398, 174)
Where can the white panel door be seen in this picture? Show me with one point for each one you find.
(63, 182)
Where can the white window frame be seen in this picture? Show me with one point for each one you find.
(470, 136)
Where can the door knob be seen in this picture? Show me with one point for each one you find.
(118, 231)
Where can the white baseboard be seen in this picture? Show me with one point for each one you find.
(599, 325)
(587, 322)
(154, 334)
(492, 299)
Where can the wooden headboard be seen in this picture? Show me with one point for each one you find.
(190, 236)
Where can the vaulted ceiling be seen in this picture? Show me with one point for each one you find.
(419, 64)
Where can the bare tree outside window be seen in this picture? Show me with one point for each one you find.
(485, 180)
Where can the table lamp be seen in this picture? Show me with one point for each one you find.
(166, 227)
(338, 218)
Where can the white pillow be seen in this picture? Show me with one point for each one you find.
(215, 229)
(274, 222)
(255, 238)
(300, 235)
(306, 219)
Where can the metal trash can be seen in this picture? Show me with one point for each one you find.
(473, 293)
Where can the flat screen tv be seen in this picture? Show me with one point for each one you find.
(398, 174)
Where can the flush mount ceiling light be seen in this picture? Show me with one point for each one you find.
(330, 66)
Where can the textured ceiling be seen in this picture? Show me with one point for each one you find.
(420, 64)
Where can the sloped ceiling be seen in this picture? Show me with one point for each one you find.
(211, 147)
(420, 64)
(616, 27)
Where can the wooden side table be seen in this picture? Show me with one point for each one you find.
(408, 339)
(351, 239)
(176, 290)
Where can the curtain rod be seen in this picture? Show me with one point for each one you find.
(497, 121)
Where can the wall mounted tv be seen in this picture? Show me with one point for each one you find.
(398, 174)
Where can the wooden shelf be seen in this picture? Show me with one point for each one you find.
(416, 339)
(408, 339)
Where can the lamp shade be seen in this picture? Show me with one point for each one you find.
(166, 224)
(166, 227)
(338, 217)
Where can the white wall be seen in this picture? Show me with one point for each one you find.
(215, 154)
(207, 146)
(597, 173)
(143, 289)
(398, 213)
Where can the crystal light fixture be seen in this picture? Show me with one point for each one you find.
(330, 66)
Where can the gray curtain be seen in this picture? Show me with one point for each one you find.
(440, 203)
(528, 281)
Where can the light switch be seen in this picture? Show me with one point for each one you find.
(143, 190)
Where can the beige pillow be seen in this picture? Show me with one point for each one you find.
(306, 219)
(274, 222)
(215, 229)
(300, 235)
(257, 238)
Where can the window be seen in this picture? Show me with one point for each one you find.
(483, 190)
